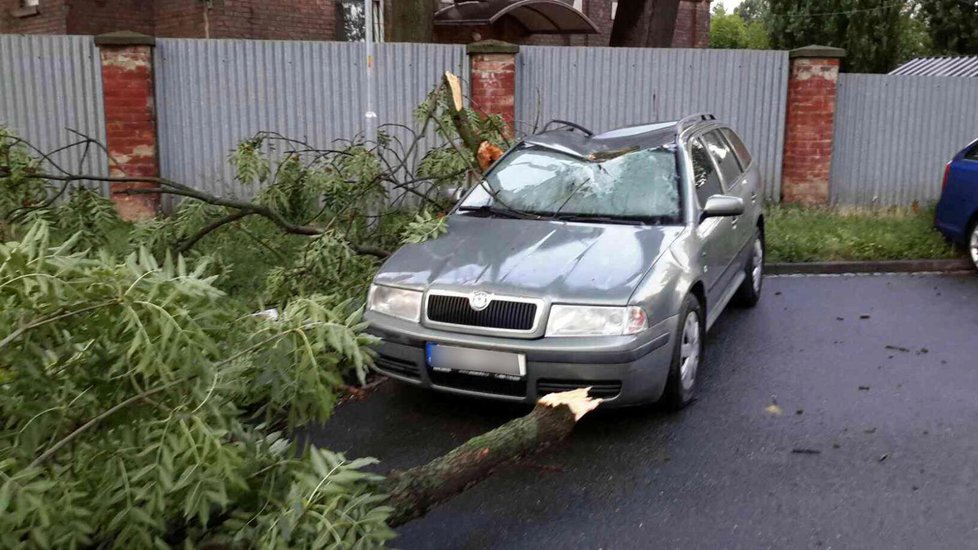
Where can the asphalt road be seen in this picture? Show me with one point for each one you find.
(842, 412)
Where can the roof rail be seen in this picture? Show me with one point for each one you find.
(565, 123)
(694, 118)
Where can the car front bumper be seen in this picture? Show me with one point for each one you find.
(625, 370)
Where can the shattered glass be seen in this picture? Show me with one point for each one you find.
(633, 184)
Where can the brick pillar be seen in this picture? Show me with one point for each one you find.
(493, 80)
(130, 118)
(809, 124)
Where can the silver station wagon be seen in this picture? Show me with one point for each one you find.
(580, 261)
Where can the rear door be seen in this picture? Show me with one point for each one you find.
(716, 234)
(734, 183)
(752, 182)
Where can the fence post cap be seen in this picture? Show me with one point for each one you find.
(824, 52)
(491, 46)
(124, 38)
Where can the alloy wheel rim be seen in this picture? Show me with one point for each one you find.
(973, 248)
(689, 350)
(758, 267)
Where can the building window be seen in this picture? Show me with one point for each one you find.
(579, 5)
(353, 19)
(29, 3)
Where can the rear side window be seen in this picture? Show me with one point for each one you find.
(724, 157)
(705, 175)
(972, 154)
(743, 155)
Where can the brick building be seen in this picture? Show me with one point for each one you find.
(259, 19)
(295, 20)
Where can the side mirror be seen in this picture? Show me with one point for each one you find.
(722, 205)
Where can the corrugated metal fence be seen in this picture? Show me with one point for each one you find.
(49, 84)
(604, 88)
(893, 135)
(211, 94)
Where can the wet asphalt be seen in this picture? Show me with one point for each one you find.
(842, 412)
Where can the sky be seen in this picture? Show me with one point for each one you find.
(729, 5)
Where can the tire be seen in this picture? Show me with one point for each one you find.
(973, 244)
(681, 384)
(749, 292)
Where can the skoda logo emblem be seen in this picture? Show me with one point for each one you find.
(479, 300)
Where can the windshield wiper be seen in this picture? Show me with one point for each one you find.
(597, 218)
(490, 210)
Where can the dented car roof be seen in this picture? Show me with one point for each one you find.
(608, 144)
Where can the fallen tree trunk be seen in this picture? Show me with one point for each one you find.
(413, 492)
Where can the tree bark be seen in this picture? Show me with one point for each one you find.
(413, 492)
(411, 21)
(645, 24)
(457, 114)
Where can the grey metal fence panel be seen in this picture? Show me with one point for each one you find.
(604, 88)
(48, 85)
(893, 135)
(211, 94)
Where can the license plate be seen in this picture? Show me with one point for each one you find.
(476, 361)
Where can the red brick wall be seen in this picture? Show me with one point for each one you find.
(599, 12)
(179, 18)
(493, 84)
(104, 16)
(259, 19)
(692, 25)
(49, 19)
(809, 129)
(130, 125)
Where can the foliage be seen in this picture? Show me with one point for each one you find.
(915, 39)
(125, 390)
(424, 227)
(796, 234)
(869, 30)
(952, 25)
(732, 31)
(752, 10)
(141, 399)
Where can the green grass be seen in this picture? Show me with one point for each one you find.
(799, 234)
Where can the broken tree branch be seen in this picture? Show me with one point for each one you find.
(243, 208)
(413, 492)
(457, 114)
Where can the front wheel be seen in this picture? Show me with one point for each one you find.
(750, 290)
(686, 356)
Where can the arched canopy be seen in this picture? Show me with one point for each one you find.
(538, 16)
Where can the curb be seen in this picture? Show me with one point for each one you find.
(890, 266)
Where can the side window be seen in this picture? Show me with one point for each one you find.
(705, 175)
(743, 155)
(724, 157)
(972, 154)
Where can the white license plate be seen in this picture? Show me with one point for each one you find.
(475, 361)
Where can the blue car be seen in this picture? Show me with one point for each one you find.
(957, 211)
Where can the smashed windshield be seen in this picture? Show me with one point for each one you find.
(637, 184)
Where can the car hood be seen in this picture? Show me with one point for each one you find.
(555, 260)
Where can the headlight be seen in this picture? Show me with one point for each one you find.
(396, 302)
(595, 321)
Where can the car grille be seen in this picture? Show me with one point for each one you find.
(605, 389)
(501, 314)
(393, 365)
